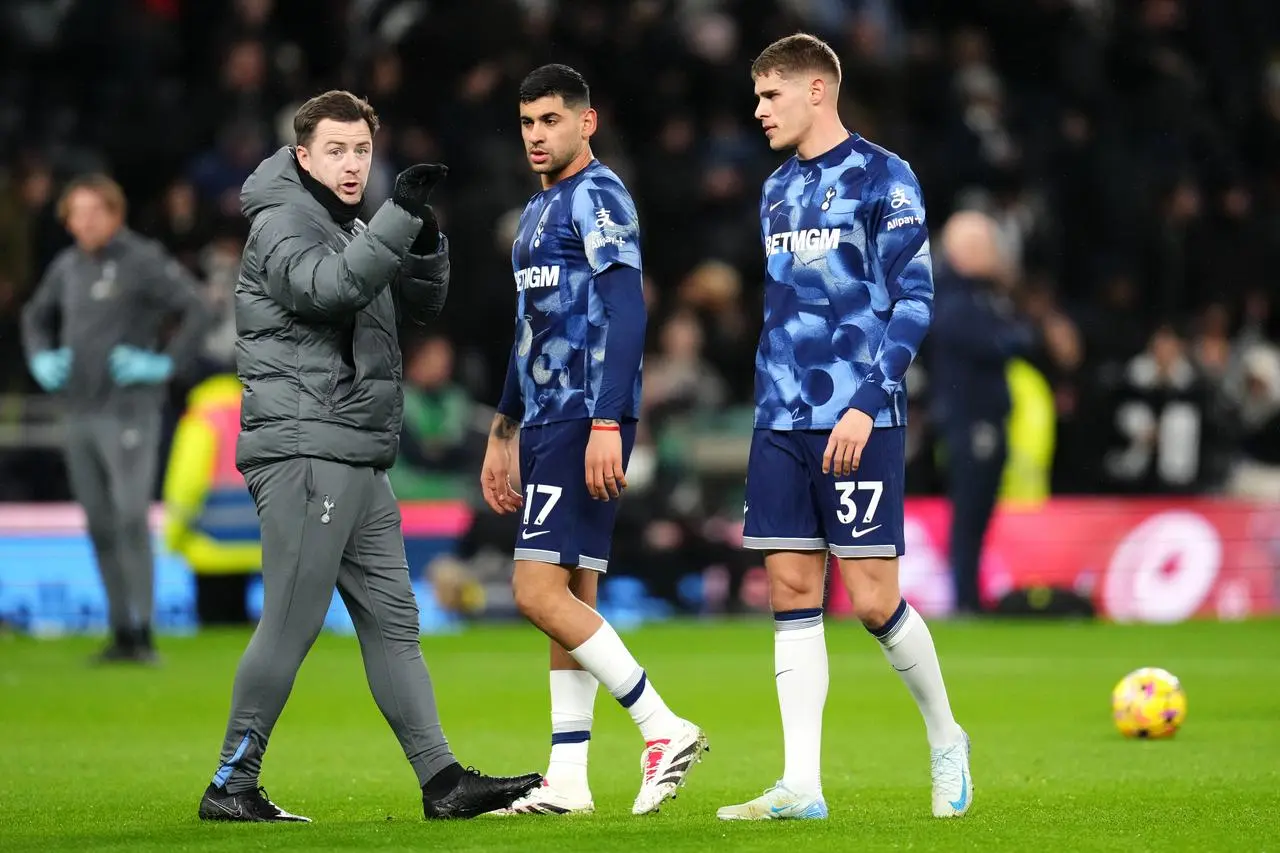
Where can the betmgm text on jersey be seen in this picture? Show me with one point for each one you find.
(822, 239)
(607, 234)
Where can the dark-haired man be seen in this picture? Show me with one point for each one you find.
(317, 305)
(572, 394)
(848, 298)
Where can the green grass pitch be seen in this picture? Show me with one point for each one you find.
(115, 759)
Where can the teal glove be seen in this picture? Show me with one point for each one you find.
(51, 368)
(134, 366)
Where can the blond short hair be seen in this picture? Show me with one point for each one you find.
(797, 53)
(111, 193)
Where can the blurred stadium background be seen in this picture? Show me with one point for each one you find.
(1128, 149)
(1130, 152)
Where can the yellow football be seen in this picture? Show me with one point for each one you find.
(1149, 703)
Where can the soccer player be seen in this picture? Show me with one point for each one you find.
(572, 394)
(848, 299)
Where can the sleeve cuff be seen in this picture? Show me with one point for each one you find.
(869, 398)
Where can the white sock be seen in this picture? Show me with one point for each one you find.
(800, 670)
(604, 656)
(909, 647)
(573, 699)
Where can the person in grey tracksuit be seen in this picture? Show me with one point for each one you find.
(112, 291)
(317, 305)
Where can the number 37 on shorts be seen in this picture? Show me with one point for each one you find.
(792, 506)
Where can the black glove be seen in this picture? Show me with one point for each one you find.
(428, 239)
(414, 186)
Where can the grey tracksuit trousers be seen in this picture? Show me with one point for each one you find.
(326, 524)
(111, 466)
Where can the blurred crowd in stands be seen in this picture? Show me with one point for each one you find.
(1128, 149)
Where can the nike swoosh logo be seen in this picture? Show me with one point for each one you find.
(964, 792)
(858, 534)
(528, 535)
(780, 674)
(775, 204)
(238, 811)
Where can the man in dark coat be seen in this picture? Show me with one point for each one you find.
(319, 357)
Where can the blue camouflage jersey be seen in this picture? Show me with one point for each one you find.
(569, 235)
(848, 292)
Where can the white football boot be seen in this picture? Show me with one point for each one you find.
(665, 765)
(952, 782)
(777, 803)
(550, 800)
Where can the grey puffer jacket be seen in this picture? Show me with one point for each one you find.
(316, 313)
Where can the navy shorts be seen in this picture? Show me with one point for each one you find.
(793, 506)
(562, 523)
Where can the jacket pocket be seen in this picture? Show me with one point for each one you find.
(374, 354)
(330, 386)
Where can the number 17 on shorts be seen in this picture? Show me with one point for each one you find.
(793, 506)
